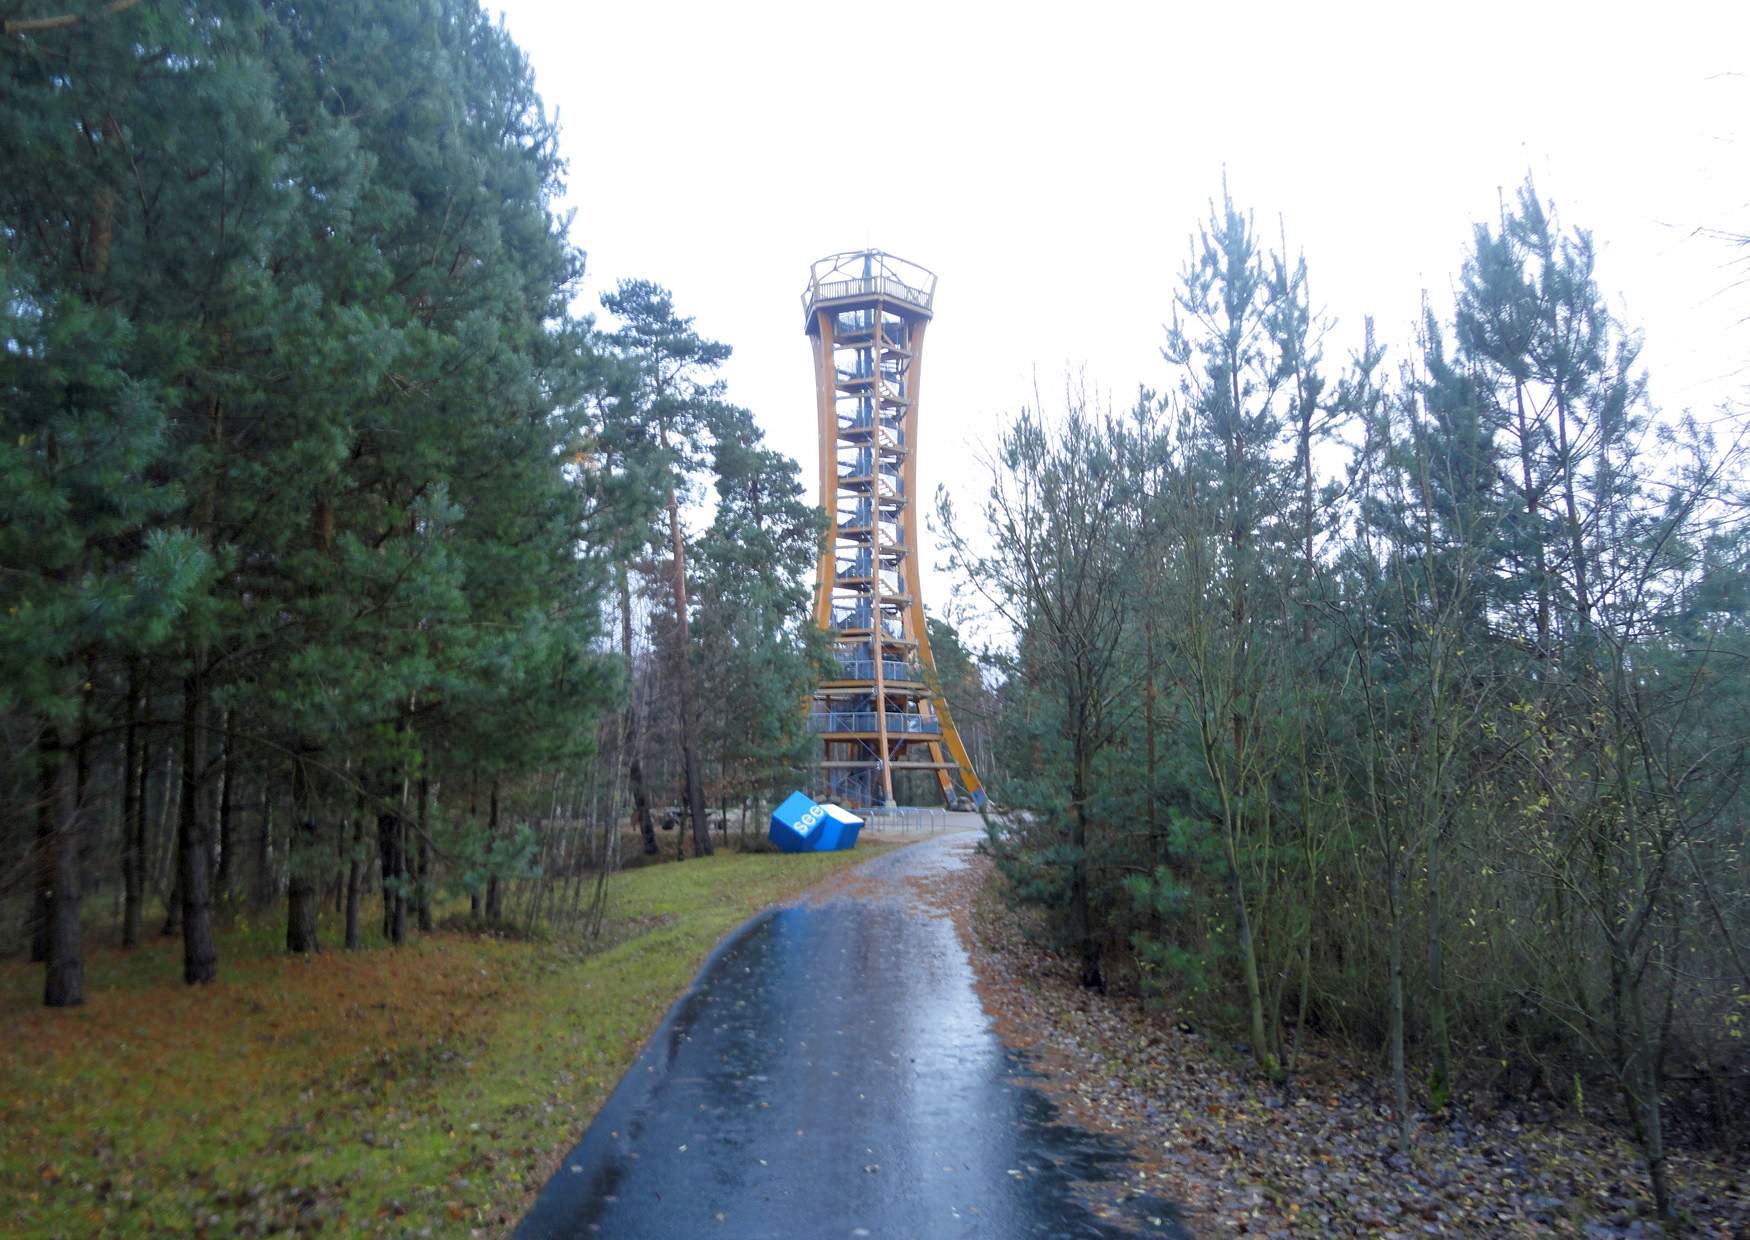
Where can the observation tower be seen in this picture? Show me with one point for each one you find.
(881, 710)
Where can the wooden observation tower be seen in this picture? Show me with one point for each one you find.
(881, 710)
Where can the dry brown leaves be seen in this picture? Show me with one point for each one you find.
(1317, 1157)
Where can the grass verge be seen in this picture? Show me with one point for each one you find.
(378, 1092)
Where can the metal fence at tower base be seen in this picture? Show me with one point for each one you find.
(919, 820)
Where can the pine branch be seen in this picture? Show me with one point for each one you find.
(65, 21)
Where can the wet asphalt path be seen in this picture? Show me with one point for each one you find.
(831, 1074)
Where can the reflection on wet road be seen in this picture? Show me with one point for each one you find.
(832, 1074)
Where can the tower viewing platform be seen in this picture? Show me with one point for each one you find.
(858, 277)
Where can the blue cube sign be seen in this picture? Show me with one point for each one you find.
(802, 825)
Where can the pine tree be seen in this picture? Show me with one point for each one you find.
(1057, 573)
(1228, 492)
(679, 409)
(755, 645)
(98, 364)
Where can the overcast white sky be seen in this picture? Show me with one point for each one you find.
(1050, 162)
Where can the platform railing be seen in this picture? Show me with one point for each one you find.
(865, 286)
(898, 723)
(891, 669)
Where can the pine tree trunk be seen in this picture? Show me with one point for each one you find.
(134, 762)
(424, 888)
(544, 866)
(42, 897)
(304, 855)
(1248, 952)
(398, 923)
(1156, 838)
(168, 871)
(227, 803)
(355, 881)
(474, 889)
(1399, 1076)
(64, 980)
(337, 878)
(173, 902)
(684, 679)
(494, 903)
(1526, 452)
(633, 737)
(301, 899)
(1304, 1003)
(1309, 899)
(386, 867)
(1575, 530)
(1080, 920)
(392, 845)
(301, 894)
(1440, 1079)
(1645, 1066)
(264, 875)
(200, 957)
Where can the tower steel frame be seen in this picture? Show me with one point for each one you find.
(881, 709)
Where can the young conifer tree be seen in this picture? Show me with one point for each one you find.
(677, 414)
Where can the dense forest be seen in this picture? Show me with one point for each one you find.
(344, 555)
(1402, 699)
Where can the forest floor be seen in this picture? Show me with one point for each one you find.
(1319, 1158)
(424, 1090)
